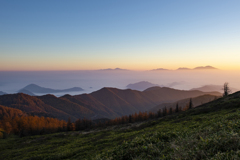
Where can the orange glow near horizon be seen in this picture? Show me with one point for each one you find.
(128, 67)
(95, 63)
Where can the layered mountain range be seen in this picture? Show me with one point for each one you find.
(104, 103)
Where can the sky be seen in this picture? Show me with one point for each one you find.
(129, 34)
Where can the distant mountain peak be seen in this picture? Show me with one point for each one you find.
(183, 68)
(141, 86)
(2, 93)
(26, 92)
(198, 68)
(211, 87)
(204, 67)
(115, 69)
(38, 89)
(160, 69)
(152, 88)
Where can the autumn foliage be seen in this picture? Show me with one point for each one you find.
(14, 121)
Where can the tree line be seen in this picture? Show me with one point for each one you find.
(82, 124)
(26, 125)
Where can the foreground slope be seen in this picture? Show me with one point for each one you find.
(210, 131)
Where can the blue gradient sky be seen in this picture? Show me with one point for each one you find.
(131, 34)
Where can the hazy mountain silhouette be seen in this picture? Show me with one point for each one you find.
(199, 68)
(183, 68)
(160, 69)
(170, 85)
(165, 94)
(140, 86)
(26, 92)
(2, 93)
(153, 88)
(37, 89)
(218, 88)
(204, 67)
(182, 103)
(116, 69)
(104, 103)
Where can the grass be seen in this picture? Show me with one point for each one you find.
(211, 131)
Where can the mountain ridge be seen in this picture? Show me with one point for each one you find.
(38, 89)
(104, 103)
(141, 86)
(218, 88)
(2, 93)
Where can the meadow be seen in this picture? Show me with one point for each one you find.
(210, 131)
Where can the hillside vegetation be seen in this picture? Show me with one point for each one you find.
(210, 131)
(196, 101)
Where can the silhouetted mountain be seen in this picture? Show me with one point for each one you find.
(124, 102)
(160, 69)
(183, 103)
(199, 68)
(37, 89)
(51, 106)
(183, 68)
(26, 92)
(140, 86)
(170, 85)
(218, 88)
(31, 105)
(153, 88)
(75, 110)
(104, 103)
(91, 103)
(164, 94)
(204, 67)
(2, 93)
(116, 69)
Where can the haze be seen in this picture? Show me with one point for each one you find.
(90, 81)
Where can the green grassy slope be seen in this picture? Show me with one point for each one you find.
(210, 131)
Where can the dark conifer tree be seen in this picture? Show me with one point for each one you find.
(170, 111)
(165, 111)
(180, 109)
(130, 118)
(69, 124)
(190, 106)
(177, 110)
(159, 113)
